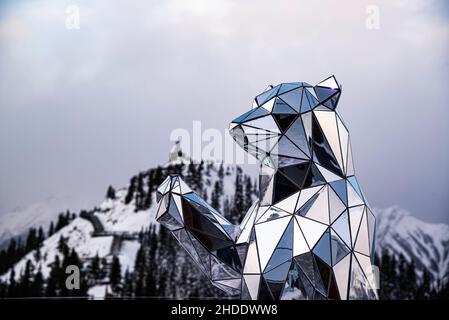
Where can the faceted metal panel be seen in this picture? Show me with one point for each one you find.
(311, 234)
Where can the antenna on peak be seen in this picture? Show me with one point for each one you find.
(176, 151)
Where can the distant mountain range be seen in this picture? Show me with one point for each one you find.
(19, 220)
(113, 228)
(427, 244)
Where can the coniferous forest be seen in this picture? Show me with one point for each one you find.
(162, 268)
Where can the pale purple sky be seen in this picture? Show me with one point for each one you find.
(82, 109)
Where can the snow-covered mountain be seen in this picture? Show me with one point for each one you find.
(113, 229)
(110, 230)
(19, 220)
(425, 243)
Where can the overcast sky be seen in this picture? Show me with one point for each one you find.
(82, 109)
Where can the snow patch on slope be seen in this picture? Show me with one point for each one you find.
(116, 216)
(19, 220)
(77, 235)
(127, 255)
(427, 244)
(397, 231)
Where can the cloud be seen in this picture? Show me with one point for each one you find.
(102, 100)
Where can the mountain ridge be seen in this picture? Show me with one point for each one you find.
(113, 228)
(427, 244)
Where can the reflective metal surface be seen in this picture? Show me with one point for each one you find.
(311, 234)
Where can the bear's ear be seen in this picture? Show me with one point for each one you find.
(328, 92)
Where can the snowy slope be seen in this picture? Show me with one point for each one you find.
(116, 216)
(17, 221)
(397, 231)
(78, 235)
(426, 244)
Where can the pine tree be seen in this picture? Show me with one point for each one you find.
(115, 275)
(73, 259)
(139, 271)
(54, 279)
(208, 168)
(140, 193)
(37, 288)
(180, 169)
(424, 290)
(443, 293)
(3, 290)
(255, 188)
(26, 280)
(402, 278)
(238, 208)
(248, 201)
(40, 236)
(215, 196)
(12, 254)
(388, 276)
(63, 248)
(68, 217)
(12, 288)
(60, 222)
(63, 220)
(37, 254)
(410, 281)
(191, 174)
(95, 268)
(221, 171)
(158, 176)
(149, 196)
(51, 229)
(198, 185)
(150, 281)
(131, 189)
(31, 241)
(110, 193)
(227, 208)
(161, 290)
(128, 290)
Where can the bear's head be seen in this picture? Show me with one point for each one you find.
(295, 123)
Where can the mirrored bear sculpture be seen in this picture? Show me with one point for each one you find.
(311, 234)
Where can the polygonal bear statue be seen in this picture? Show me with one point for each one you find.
(311, 234)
